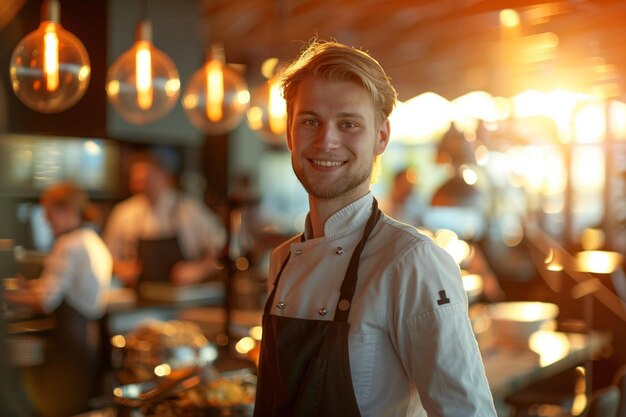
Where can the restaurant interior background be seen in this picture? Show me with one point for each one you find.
(512, 116)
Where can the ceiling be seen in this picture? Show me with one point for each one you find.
(447, 46)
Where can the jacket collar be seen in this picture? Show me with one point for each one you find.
(345, 221)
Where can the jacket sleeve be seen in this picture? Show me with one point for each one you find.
(434, 337)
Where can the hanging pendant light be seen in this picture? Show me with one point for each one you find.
(268, 111)
(50, 67)
(143, 83)
(217, 96)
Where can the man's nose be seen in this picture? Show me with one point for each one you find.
(327, 138)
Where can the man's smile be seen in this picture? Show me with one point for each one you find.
(323, 163)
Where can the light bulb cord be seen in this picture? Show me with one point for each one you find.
(144, 9)
(51, 11)
(143, 30)
(216, 52)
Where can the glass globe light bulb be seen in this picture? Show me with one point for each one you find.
(143, 83)
(50, 67)
(267, 115)
(217, 96)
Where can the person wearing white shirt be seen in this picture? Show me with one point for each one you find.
(71, 288)
(160, 233)
(77, 271)
(365, 316)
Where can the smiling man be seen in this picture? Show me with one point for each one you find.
(365, 317)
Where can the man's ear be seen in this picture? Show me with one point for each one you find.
(382, 137)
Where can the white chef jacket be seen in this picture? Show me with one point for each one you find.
(412, 348)
(77, 270)
(175, 214)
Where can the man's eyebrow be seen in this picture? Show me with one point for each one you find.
(307, 113)
(351, 115)
(340, 115)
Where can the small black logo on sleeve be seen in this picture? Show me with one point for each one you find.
(442, 298)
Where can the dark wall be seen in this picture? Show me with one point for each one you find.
(87, 19)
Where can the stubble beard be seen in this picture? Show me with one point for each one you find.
(339, 188)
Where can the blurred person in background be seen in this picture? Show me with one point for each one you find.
(72, 286)
(160, 233)
(402, 202)
(365, 316)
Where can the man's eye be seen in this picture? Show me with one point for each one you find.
(348, 125)
(310, 122)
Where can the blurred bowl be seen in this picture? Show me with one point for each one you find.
(516, 321)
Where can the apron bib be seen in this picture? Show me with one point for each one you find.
(304, 367)
(158, 256)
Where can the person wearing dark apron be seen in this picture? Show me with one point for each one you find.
(71, 289)
(301, 359)
(159, 225)
(394, 339)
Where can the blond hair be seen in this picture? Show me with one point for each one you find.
(334, 61)
(68, 194)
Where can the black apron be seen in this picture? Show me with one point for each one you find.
(304, 365)
(158, 256)
(71, 374)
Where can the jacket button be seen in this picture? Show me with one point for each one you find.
(339, 250)
(323, 311)
(298, 251)
(280, 305)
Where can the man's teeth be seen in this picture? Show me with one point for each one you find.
(327, 163)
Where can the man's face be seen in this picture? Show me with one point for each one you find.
(147, 179)
(334, 137)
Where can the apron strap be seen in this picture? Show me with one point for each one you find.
(349, 282)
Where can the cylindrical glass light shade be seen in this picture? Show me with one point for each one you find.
(50, 68)
(267, 115)
(217, 96)
(143, 83)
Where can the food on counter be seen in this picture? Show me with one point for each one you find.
(155, 347)
(165, 334)
(227, 396)
(223, 392)
(226, 393)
